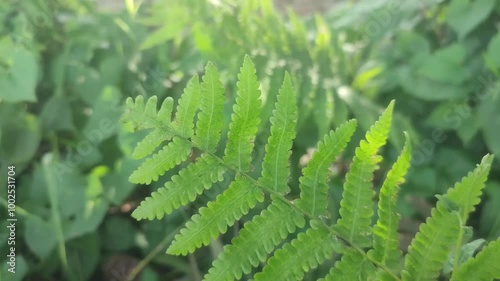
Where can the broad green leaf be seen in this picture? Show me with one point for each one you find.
(465, 15)
(489, 224)
(20, 134)
(40, 236)
(490, 119)
(492, 54)
(18, 73)
(445, 65)
(104, 116)
(118, 233)
(57, 115)
(428, 89)
(84, 256)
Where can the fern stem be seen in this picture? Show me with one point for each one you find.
(143, 263)
(195, 272)
(458, 246)
(276, 195)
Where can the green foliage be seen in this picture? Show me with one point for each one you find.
(275, 167)
(274, 223)
(245, 119)
(209, 124)
(313, 183)
(368, 252)
(65, 70)
(385, 232)
(66, 67)
(482, 267)
(356, 208)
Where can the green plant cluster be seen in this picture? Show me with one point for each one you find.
(169, 143)
(440, 57)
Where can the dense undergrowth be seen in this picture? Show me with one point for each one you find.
(66, 69)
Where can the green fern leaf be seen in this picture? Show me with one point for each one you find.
(209, 125)
(146, 116)
(255, 241)
(430, 247)
(148, 145)
(356, 207)
(483, 267)
(183, 188)
(466, 194)
(186, 109)
(241, 196)
(245, 118)
(444, 228)
(170, 156)
(352, 267)
(275, 167)
(313, 183)
(305, 252)
(385, 232)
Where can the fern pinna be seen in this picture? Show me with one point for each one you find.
(366, 251)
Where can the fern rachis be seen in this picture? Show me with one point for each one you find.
(369, 252)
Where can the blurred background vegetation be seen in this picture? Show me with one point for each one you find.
(66, 67)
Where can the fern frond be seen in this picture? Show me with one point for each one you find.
(313, 183)
(356, 206)
(183, 188)
(466, 193)
(385, 232)
(146, 116)
(275, 167)
(186, 109)
(431, 246)
(353, 266)
(443, 229)
(483, 267)
(305, 252)
(170, 156)
(245, 118)
(255, 241)
(209, 124)
(236, 201)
